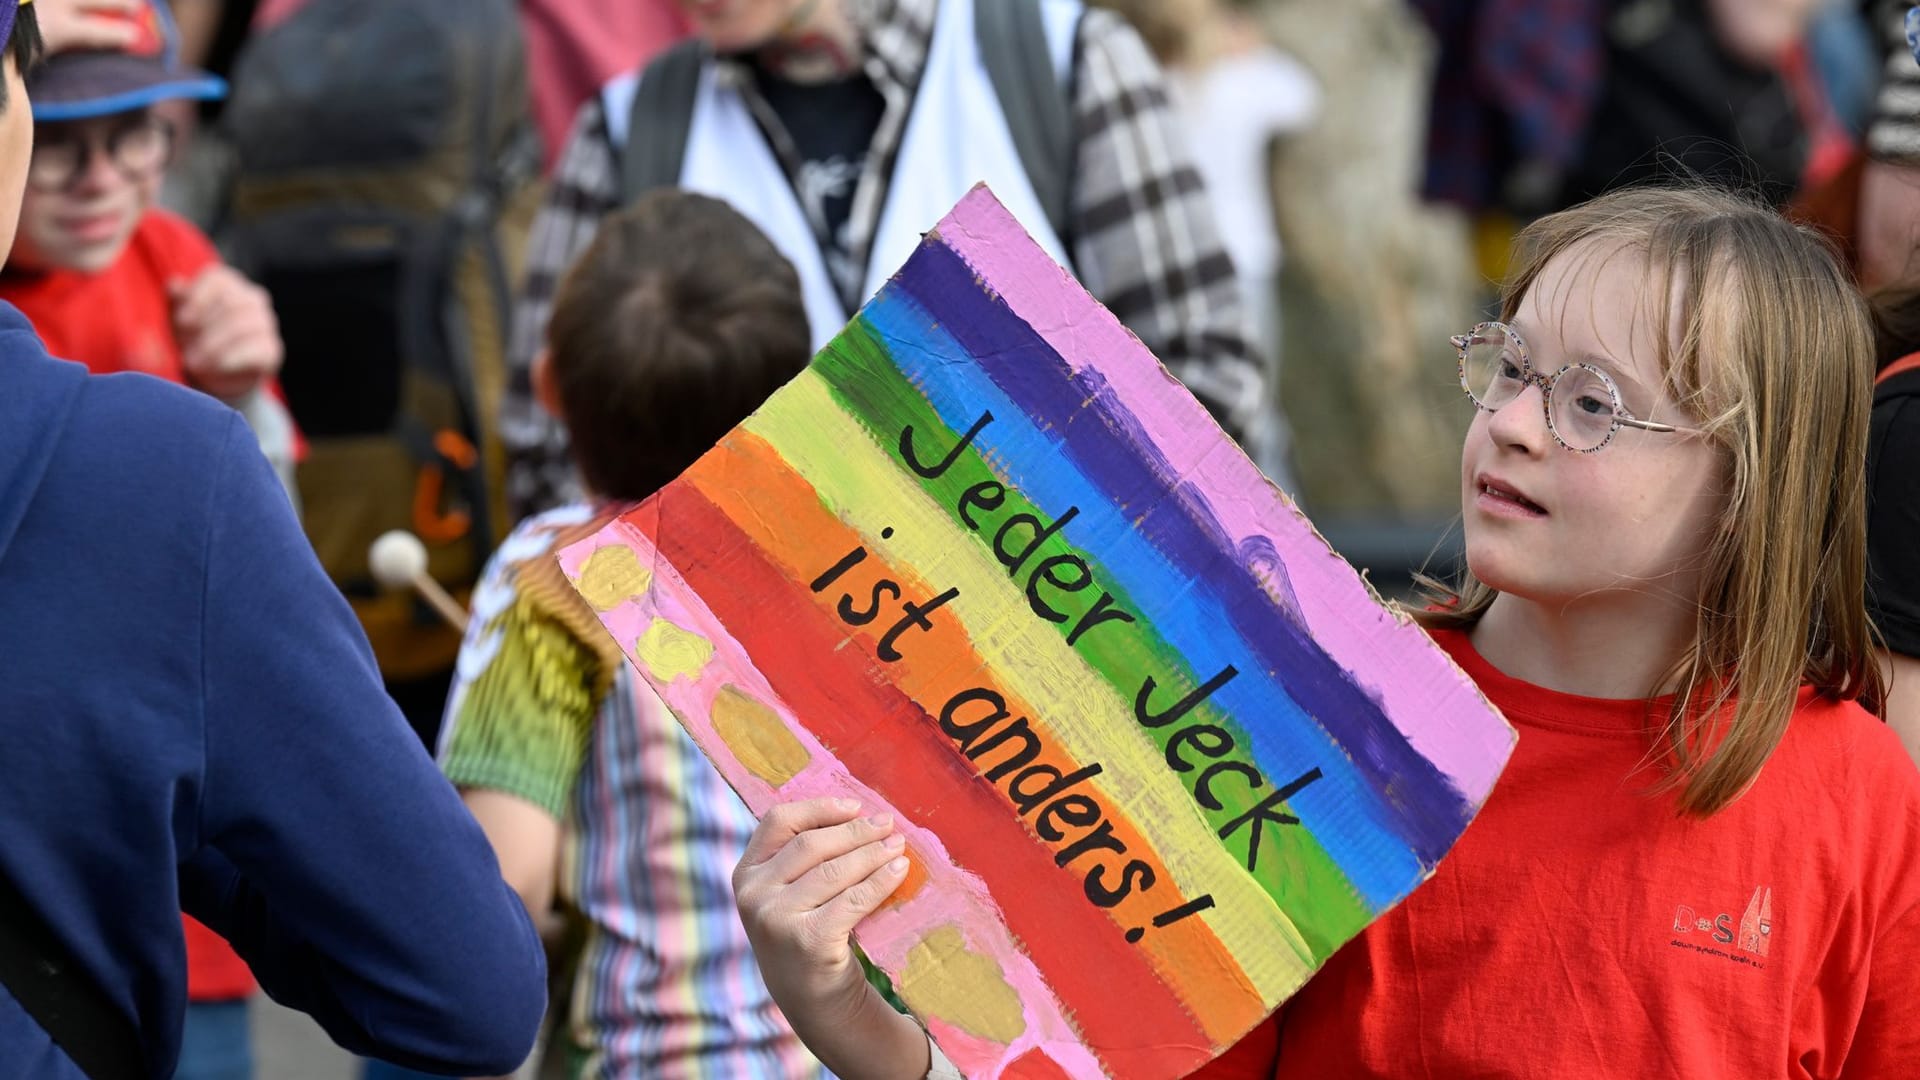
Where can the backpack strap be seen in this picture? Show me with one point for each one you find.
(660, 119)
(1898, 367)
(49, 983)
(1033, 97)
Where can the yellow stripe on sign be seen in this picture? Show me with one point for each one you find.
(1033, 661)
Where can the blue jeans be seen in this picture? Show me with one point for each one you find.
(216, 1043)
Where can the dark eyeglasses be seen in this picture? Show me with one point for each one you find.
(139, 148)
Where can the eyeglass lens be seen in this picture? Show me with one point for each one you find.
(138, 150)
(1581, 404)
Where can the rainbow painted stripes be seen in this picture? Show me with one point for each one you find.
(987, 565)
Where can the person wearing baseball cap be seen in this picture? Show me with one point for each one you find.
(91, 240)
(191, 718)
(79, 85)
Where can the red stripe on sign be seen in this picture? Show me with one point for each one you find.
(822, 671)
(1035, 1065)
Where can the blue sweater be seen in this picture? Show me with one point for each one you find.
(190, 719)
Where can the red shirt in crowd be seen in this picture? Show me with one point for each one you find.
(1583, 929)
(122, 320)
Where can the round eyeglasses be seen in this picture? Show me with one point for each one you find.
(139, 149)
(1582, 404)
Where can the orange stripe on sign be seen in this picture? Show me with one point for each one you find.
(748, 480)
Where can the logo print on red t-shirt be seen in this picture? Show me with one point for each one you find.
(1756, 926)
(1754, 934)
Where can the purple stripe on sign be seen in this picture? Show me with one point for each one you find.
(1450, 730)
(1110, 448)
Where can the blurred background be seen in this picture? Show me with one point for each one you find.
(1367, 161)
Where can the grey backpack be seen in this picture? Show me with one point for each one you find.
(387, 178)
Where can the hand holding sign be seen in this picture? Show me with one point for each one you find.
(812, 871)
(1156, 752)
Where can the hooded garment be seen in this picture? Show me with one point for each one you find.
(190, 719)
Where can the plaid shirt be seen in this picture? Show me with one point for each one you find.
(1142, 232)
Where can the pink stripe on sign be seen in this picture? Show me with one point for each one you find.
(952, 895)
(1340, 611)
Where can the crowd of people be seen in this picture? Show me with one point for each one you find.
(283, 277)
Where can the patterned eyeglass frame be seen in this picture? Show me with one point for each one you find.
(1530, 376)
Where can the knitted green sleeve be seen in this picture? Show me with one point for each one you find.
(522, 726)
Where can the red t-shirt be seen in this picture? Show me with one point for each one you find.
(121, 320)
(1581, 929)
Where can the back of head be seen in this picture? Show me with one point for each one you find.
(676, 323)
(1769, 351)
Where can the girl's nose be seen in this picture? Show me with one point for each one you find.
(1521, 424)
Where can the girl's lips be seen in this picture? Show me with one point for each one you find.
(1495, 497)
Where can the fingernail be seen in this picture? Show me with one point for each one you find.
(894, 842)
(846, 804)
(898, 866)
(880, 821)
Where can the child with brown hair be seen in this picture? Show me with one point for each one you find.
(677, 322)
(1703, 859)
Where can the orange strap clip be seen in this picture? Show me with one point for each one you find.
(429, 523)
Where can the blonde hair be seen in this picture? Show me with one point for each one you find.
(1775, 355)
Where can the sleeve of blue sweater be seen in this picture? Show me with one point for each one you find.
(336, 858)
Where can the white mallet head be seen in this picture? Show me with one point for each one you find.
(397, 559)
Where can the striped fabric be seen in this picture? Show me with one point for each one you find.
(666, 987)
(1143, 233)
(1895, 132)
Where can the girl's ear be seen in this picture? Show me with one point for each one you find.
(546, 390)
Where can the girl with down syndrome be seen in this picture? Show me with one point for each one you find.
(1704, 857)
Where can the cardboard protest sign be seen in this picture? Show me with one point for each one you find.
(987, 565)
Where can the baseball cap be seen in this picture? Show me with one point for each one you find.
(80, 85)
(8, 9)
